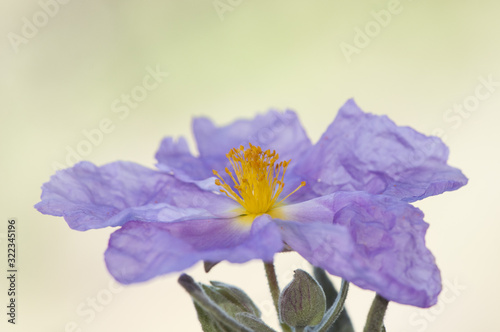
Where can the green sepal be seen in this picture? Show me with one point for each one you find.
(207, 265)
(255, 323)
(343, 322)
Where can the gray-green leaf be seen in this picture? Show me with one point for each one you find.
(343, 322)
(256, 324)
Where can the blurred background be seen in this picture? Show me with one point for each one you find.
(140, 70)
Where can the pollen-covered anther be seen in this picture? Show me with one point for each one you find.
(257, 179)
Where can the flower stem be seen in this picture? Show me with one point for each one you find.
(275, 291)
(375, 319)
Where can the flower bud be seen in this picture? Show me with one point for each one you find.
(302, 302)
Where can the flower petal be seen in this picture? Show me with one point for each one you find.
(274, 130)
(139, 251)
(362, 151)
(319, 209)
(90, 197)
(375, 242)
(174, 157)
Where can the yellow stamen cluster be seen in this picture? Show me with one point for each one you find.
(258, 179)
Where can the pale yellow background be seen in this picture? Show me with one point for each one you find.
(263, 54)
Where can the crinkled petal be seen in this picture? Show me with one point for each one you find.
(162, 212)
(175, 158)
(375, 242)
(273, 130)
(139, 251)
(320, 209)
(90, 197)
(362, 151)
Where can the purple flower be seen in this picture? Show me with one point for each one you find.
(259, 186)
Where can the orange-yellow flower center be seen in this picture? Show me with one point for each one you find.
(258, 179)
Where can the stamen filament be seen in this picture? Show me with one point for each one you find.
(258, 179)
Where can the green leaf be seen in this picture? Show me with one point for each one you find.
(210, 309)
(208, 323)
(343, 322)
(237, 296)
(255, 323)
(335, 310)
(227, 305)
